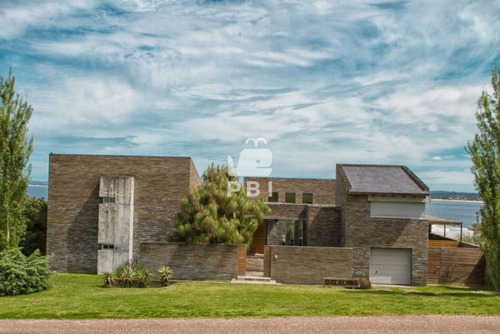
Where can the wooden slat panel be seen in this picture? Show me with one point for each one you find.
(242, 260)
(433, 265)
(456, 266)
(259, 239)
(444, 243)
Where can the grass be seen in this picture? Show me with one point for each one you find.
(75, 296)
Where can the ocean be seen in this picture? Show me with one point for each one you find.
(464, 211)
(38, 190)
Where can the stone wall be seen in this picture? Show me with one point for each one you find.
(306, 265)
(324, 226)
(73, 208)
(192, 261)
(340, 198)
(323, 190)
(363, 232)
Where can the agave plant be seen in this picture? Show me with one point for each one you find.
(166, 274)
(108, 279)
(119, 270)
(142, 276)
(126, 276)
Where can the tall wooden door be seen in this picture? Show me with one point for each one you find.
(259, 239)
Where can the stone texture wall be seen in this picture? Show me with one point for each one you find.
(195, 179)
(340, 198)
(306, 265)
(192, 261)
(363, 232)
(321, 224)
(323, 190)
(72, 226)
(324, 226)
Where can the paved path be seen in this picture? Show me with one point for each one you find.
(302, 325)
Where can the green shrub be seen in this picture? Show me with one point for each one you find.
(20, 274)
(166, 274)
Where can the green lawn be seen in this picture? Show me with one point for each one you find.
(82, 297)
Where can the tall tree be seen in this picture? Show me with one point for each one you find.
(15, 171)
(36, 234)
(485, 154)
(211, 214)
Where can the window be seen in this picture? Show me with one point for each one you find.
(108, 199)
(107, 246)
(307, 198)
(273, 197)
(289, 197)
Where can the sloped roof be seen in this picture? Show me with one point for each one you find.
(382, 179)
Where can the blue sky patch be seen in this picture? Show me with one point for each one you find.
(324, 82)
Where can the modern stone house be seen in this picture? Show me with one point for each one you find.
(375, 210)
(101, 208)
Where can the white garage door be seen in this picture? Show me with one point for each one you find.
(390, 266)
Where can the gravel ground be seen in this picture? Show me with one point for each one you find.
(302, 325)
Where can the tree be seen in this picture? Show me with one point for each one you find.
(36, 232)
(209, 215)
(15, 171)
(485, 154)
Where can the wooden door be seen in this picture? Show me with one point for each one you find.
(259, 239)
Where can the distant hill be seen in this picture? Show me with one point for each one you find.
(455, 195)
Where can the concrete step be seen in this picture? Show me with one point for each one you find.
(253, 280)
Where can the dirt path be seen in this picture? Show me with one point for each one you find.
(302, 325)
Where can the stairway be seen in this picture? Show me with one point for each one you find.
(254, 272)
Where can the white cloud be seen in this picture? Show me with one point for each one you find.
(324, 81)
(17, 17)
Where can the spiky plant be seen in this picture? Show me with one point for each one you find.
(142, 276)
(108, 279)
(166, 274)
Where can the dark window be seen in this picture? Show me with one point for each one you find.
(307, 198)
(273, 197)
(108, 200)
(289, 197)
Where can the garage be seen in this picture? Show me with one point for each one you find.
(390, 266)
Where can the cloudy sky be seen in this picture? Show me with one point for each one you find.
(324, 82)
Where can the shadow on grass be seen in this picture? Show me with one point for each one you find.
(442, 291)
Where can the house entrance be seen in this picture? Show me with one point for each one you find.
(259, 239)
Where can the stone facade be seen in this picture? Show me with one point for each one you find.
(73, 210)
(306, 265)
(362, 232)
(321, 225)
(192, 261)
(335, 218)
(323, 190)
(324, 226)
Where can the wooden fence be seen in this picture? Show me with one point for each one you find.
(457, 265)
